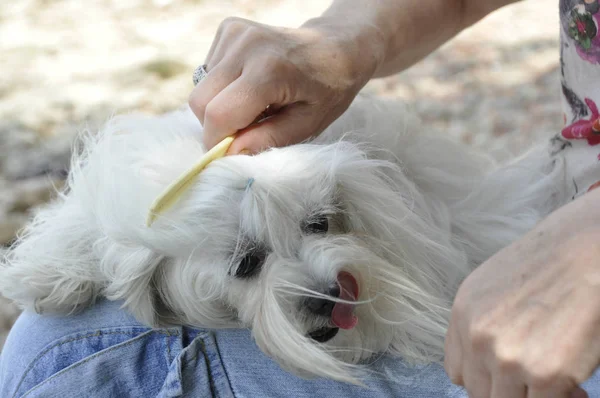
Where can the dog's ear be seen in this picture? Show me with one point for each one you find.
(49, 266)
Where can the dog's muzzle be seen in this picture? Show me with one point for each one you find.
(340, 314)
(323, 306)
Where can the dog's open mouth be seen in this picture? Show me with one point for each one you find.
(323, 334)
(342, 315)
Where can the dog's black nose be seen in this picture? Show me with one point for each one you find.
(323, 306)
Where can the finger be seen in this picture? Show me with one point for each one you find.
(208, 88)
(291, 125)
(578, 392)
(217, 42)
(230, 29)
(225, 49)
(556, 391)
(476, 375)
(550, 393)
(506, 386)
(478, 382)
(453, 353)
(235, 108)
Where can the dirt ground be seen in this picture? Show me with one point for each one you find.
(69, 65)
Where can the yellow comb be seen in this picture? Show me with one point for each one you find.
(178, 187)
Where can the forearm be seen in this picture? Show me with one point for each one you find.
(398, 33)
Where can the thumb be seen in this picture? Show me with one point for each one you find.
(291, 125)
(578, 393)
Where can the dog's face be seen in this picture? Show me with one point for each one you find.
(280, 248)
(305, 246)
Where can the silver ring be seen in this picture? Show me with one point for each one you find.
(199, 74)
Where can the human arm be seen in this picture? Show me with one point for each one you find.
(309, 76)
(405, 30)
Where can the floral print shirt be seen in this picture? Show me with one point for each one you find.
(579, 140)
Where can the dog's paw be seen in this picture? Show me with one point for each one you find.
(43, 292)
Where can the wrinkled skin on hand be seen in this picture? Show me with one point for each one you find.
(526, 322)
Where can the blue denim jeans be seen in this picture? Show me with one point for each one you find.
(104, 352)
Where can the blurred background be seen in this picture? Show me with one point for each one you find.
(68, 65)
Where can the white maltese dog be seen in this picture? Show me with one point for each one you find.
(330, 251)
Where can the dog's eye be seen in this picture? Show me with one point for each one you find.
(251, 264)
(318, 225)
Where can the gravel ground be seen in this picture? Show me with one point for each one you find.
(70, 65)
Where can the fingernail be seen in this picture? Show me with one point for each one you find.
(245, 151)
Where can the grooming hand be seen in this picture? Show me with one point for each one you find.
(526, 322)
(307, 77)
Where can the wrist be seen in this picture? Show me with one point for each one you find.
(363, 45)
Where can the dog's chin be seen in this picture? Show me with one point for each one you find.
(330, 352)
(324, 350)
(361, 343)
(324, 334)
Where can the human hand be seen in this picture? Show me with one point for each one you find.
(307, 77)
(526, 322)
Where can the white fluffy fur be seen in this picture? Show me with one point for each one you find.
(415, 212)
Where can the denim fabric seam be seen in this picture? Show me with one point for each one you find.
(224, 367)
(86, 360)
(207, 363)
(97, 333)
(169, 360)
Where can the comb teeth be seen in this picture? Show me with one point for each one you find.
(179, 186)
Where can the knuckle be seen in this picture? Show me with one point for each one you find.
(546, 373)
(480, 335)
(197, 102)
(230, 22)
(214, 114)
(543, 378)
(563, 367)
(233, 25)
(508, 358)
(569, 359)
(257, 34)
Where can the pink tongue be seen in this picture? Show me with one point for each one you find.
(343, 313)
